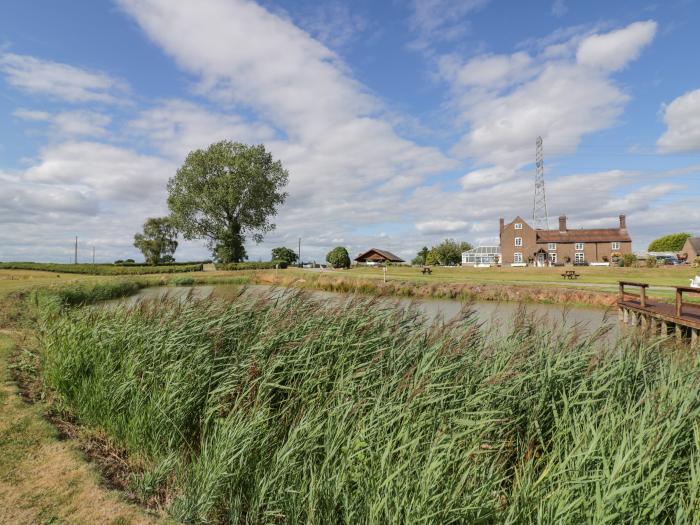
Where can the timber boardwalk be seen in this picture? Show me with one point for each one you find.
(655, 317)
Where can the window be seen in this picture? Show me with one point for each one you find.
(579, 246)
(579, 257)
(518, 241)
(552, 247)
(517, 257)
(615, 245)
(553, 258)
(518, 226)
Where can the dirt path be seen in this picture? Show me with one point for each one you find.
(44, 480)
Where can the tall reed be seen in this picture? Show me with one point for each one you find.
(261, 410)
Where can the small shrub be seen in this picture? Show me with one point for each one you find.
(696, 262)
(182, 280)
(651, 262)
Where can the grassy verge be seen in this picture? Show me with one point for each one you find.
(264, 411)
(44, 480)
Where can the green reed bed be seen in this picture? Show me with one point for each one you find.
(284, 410)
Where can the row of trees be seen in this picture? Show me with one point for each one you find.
(447, 253)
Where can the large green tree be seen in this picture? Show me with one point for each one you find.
(669, 243)
(338, 257)
(225, 194)
(449, 252)
(158, 241)
(284, 254)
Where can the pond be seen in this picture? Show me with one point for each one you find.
(585, 320)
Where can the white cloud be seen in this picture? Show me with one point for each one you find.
(111, 173)
(614, 50)
(60, 81)
(177, 127)
(682, 118)
(437, 21)
(508, 100)
(334, 23)
(439, 226)
(69, 123)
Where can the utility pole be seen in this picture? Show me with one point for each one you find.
(75, 261)
(299, 253)
(93, 256)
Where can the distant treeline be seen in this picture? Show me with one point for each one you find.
(271, 265)
(101, 269)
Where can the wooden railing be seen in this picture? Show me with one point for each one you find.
(680, 290)
(642, 292)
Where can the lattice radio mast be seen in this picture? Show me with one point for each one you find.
(540, 219)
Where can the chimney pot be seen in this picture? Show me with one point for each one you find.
(502, 226)
(623, 222)
(562, 223)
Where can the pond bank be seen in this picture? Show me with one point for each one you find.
(457, 291)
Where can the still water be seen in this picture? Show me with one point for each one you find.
(584, 320)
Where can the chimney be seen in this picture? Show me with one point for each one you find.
(562, 223)
(501, 224)
(623, 222)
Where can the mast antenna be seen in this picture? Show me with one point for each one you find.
(540, 219)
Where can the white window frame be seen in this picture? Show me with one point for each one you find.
(552, 246)
(553, 258)
(518, 241)
(615, 245)
(579, 257)
(578, 246)
(517, 257)
(518, 226)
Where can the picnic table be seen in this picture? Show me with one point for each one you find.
(570, 274)
(427, 269)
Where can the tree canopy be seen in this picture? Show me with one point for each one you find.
(158, 241)
(284, 254)
(669, 243)
(225, 194)
(448, 252)
(338, 257)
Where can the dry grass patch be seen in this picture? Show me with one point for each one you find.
(44, 479)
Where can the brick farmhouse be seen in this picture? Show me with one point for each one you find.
(522, 244)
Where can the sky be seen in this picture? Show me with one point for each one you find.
(401, 122)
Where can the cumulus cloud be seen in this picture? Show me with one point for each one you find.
(682, 118)
(439, 226)
(60, 81)
(177, 127)
(508, 100)
(614, 50)
(111, 173)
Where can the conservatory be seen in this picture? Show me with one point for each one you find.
(482, 256)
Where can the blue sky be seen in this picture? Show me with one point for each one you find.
(401, 122)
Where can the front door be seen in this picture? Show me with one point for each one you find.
(540, 259)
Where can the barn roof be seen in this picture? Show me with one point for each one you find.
(383, 254)
(594, 235)
(695, 243)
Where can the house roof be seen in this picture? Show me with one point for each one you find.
(595, 235)
(695, 243)
(383, 254)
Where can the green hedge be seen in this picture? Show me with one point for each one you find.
(100, 269)
(250, 265)
(190, 263)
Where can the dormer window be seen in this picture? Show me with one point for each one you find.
(518, 226)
